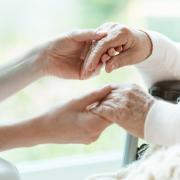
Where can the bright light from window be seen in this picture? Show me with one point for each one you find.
(26, 23)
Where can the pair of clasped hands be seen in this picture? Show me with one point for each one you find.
(81, 54)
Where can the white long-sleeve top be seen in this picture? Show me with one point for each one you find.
(162, 124)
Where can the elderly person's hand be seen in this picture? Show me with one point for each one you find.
(64, 55)
(122, 46)
(127, 106)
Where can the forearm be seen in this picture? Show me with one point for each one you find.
(164, 62)
(162, 124)
(24, 134)
(16, 75)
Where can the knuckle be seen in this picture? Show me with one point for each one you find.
(125, 29)
(126, 102)
(129, 93)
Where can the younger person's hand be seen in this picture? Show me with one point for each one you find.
(65, 55)
(73, 122)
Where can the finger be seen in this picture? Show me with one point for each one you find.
(93, 58)
(123, 59)
(92, 73)
(97, 70)
(83, 73)
(112, 52)
(87, 35)
(85, 68)
(119, 49)
(85, 50)
(108, 110)
(92, 97)
(101, 47)
(105, 58)
(98, 49)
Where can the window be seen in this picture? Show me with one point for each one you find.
(26, 23)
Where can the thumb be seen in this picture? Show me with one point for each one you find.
(87, 35)
(93, 97)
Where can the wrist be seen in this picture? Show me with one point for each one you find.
(147, 43)
(35, 59)
(24, 134)
(47, 58)
(51, 128)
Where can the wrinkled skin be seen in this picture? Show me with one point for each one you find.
(127, 106)
(121, 47)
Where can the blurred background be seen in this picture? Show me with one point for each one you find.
(24, 24)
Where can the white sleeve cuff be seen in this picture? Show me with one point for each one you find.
(162, 124)
(163, 63)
